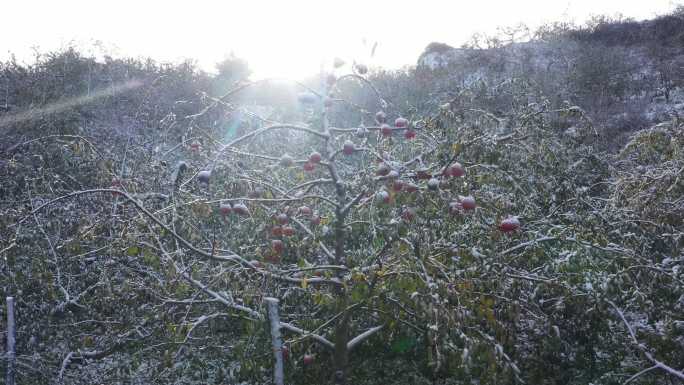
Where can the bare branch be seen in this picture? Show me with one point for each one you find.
(318, 338)
(363, 336)
(641, 373)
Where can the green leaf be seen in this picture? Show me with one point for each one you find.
(402, 345)
(133, 251)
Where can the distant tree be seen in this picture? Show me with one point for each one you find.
(230, 71)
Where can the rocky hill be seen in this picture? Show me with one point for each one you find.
(627, 75)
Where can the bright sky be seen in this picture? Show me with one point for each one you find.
(281, 37)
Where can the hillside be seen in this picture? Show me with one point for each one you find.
(626, 75)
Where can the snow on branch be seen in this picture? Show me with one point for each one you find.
(656, 364)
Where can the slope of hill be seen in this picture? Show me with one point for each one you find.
(627, 75)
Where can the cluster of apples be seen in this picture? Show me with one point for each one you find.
(307, 359)
(282, 229)
(314, 159)
(399, 124)
(225, 209)
(394, 183)
(457, 206)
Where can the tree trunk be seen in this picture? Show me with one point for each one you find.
(341, 356)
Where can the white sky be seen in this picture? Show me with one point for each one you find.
(282, 38)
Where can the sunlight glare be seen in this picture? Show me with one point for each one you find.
(290, 39)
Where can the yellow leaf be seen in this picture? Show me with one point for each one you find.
(456, 148)
(305, 283)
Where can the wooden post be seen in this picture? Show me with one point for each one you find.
(11, 341)
(276, 341)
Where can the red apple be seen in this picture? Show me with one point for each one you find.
(380, 117)
(455, 170)
(278, 246)
(401, 123)
(288, 231)
(348, 148)
(433, 184)
(308, 359)
(240, 209)
(116, 185)
(315, 157)
(408, 214)
(286, 160)
(282, 218)
(455, 208)
(383, 169)
(286, 352)
(315, 220)
(308, 167)
(386, 130)
(423, 174)
(410, 187)
(468, 203)
(383, 196)
(225, 209)
(410, 134)
(509, 224)
(204, 176)
(277, 231)
(305, 210)
(398, 185)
